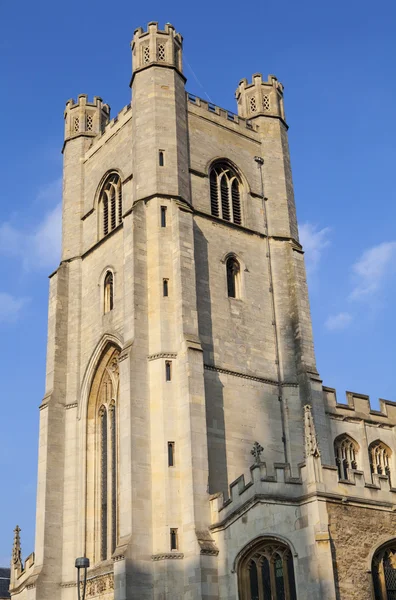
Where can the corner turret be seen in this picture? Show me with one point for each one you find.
(85, 118)
(260, 98)
(156, 47)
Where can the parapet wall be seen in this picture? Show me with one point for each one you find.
(358, 406)
(280, 487)
(225, 114)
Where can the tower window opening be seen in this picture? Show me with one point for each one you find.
(173, 539)
(225, 196)
(146, 55)
(102, 441)
(233, 275)
(171, 454)
(108, 292)
(161, 158)
(253, 105)
(110, 203)
(380, 457)
(168, 370)
(163, 216)
(165, 287)
(266, 102)
(345, 450)
(161, 53)
(76, 124)
(89, 123)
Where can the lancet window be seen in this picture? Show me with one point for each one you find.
(111, 204)
(233, 270)
(225, 194)
(102, 453)
(108, 292)
(380, 457)
(266, 572)
(345, 450)
(384, 572)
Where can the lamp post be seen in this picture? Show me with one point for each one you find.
(82, 563)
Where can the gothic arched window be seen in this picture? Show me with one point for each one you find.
(233, 270)
(380, 456)
(225, 196)
(102, 451)
(110, 203)
(384, 572)
(345, 450)
(108, 292)
(266, 572)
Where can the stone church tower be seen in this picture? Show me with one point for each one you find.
(187, 445)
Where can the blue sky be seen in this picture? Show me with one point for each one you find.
(337, 62)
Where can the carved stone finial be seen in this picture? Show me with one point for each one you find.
(311, 441)
(16, 548)
(256, 452)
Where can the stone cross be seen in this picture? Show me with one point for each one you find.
(256, 452)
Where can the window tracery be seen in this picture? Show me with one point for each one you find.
(384, 572)
(345, 450)
(225, 197)
(102, 459)
(380, 456)
(110, 203)
(266, 572)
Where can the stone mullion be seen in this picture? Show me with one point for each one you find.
(219, 200)
(260, 580)
(229, 181)
(381, 579)
(109, 481)
(286, 576)
(112, 476)
(273, 579)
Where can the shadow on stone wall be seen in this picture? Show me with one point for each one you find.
(214, 398)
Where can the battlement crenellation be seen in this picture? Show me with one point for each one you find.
(359, 406)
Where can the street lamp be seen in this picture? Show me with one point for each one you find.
(82, 563)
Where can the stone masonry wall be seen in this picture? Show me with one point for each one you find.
(355, 532)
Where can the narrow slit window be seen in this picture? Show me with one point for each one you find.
(161, 158)
(163, 216)
(108, 292)
(173, 539)
(168, 370)
(165, 287)
(233, 275)
(171, 454)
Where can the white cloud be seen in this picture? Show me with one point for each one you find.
(10, 307)
(370, 270)
(338, 322)
(46, 241)
(314, 241)
(40, 247)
